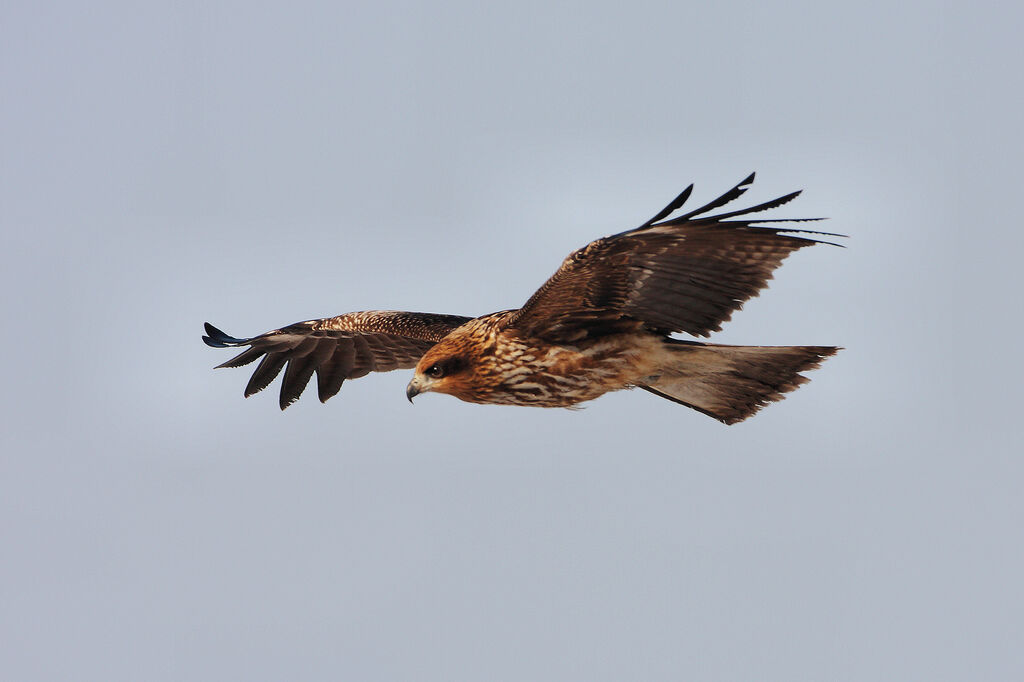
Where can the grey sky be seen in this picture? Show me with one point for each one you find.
(253, 166)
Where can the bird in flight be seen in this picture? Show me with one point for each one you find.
(601, 323)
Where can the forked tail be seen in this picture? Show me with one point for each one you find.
(730, 383)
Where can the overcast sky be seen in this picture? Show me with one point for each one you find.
(253, 165)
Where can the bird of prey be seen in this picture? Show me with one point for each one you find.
(603, 322)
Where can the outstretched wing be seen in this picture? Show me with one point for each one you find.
(335, 348)
(687, 274)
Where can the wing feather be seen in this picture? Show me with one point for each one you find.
(266, 371)
(335, 349)
(301, 365)
(733, 194)
(673, 206)
(685, 274)
(331, 374)
(364, 363)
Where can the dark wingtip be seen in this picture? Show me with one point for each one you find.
(672, 207)
(783, 199)
(286, 396)
(677, 203)
(215, 338)
(733, 194)
(768, 205)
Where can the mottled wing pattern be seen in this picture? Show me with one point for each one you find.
(336, 348)
(687, 274)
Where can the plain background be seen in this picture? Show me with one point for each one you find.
(253, 164)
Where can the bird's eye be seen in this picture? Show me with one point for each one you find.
(435, 371)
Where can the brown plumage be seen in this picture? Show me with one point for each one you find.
(601, 323)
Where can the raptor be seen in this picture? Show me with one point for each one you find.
(603, 322)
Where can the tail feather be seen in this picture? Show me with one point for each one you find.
(731, 383)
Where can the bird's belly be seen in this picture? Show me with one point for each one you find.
(564, 376)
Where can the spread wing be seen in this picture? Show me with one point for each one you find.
(687, 274)
(335, 348)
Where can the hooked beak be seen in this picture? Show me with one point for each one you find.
(412, 390)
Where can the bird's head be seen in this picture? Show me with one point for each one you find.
(438, 370)
(454, 366)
